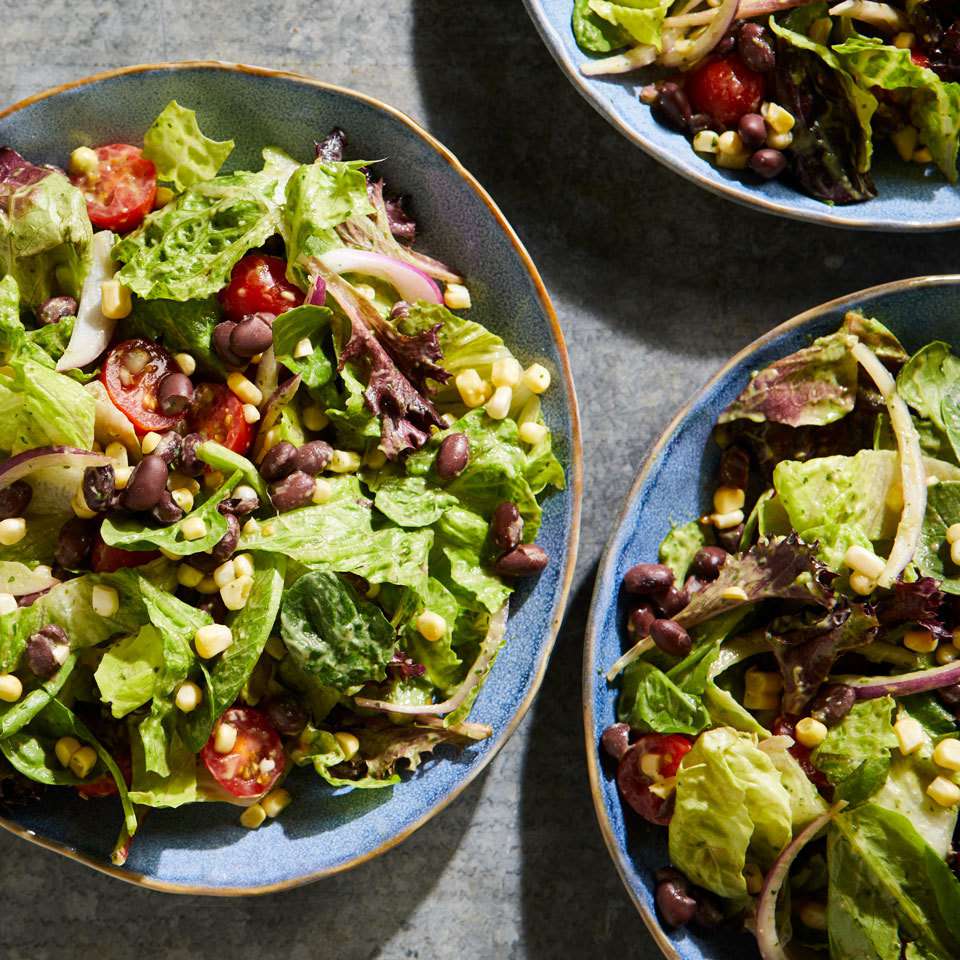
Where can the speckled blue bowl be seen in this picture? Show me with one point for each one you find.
(674, 486)
(911, 197)
(202, 849)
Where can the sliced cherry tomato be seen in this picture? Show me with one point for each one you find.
(635, 784)
(122, 190)
(257, 759)
(726, 89)
(920, 59)
(132, 373)
(104, 559)
(217, 414)
(105, 785)
(785, 726)
(258, 284)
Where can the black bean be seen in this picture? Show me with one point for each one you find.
(212, 605)
(769, 163)
(641, 620)
(670, 637)
(527, 560)
(46, 651)
(709, 914)
(698, 123)
(252, 335)
(166, 510)
(674, 903)
(278, 462)
(169, 446)
(293, 491)
(506, 526)
(15, 499)
(671, 108)
(313, 457)
(753, 131)
(55, 309)
(730, 539)
(221, 343)
(190, 464)
(647, 578)
(672, 600)
(453, 456)
(174, 393)
(734, 468)
(287, 715)
(238, 506)
(74, 543)
(707, 562)
(616, 740)
(950, 696)
(98, 487)
(28, 599)
(728, 41)
(833, 703)
(224, 547)
(755, 48)
(146, 484)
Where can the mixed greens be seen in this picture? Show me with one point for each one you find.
(789, 703)
(263, 494)
(792, 87)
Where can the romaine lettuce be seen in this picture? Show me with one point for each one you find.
(182, 155)
(642, 20)
(594, 34)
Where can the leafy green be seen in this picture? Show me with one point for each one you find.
(933, 552)
(594, 34)
(289, 329)
(412, 501)
(457, 560)
(642, 20)
(128, 670)
(443, 664)
(182, 327)
(651, 701)
(228, 461)
(16, 342)
(930, 383)
(181, 153)
(806, 804)
(680, 546)
(177, 787)
(13, 716)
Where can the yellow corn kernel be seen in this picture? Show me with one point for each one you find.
(189, 696)
(79, 505)
(762, 681)
(224, 573)
(250, 413)
(650, 765)
(909, 735)
(905, 141)
(728, 499)
(506, 372)
(117, 452)
(225, 738)
(322, 490)
(236, 593)
(275, 802)
(188, 576)
(431, 626)
(186, 363)
(84, 162)
(706, 141)
(11, 689)
(530, 413)
(104, 600)
(65, 748)
(778, 119)
(457, 297)
(536, 378)
(727, 521)
(212, 639)
(253, 816)
(82, 762)
(12, 530)
(473, 389)
(813, 914)
(150, 442)
(243, 565)
(303, 348)
(761, 701)
(8, 603)
(810, 732)
(734, 593)
(861, 585)
(920, 641)
(314, 418)
(946, 754)
(730, 143)
(183, 498)
(344, 461)
(955, 552)
(532, 433)
(498, 406)
(864, 561)
(349, 744)
(375, 458)
(251, 528)
(244, 389)
(923, 155)
(163, 196)
(115, 300)
(193, 528)
(779, 141)
(207, 586)
(664, 787)
(944, 791)
(904, 40)
(946, 654)
(953, 533)
(753, 875)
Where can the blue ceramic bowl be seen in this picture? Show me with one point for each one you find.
(201, 848)
(674, 486)
(911, 197)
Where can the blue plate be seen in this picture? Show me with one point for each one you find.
(911, 197)
(675, 486)
(201, 848)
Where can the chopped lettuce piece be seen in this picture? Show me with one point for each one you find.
(642, 20)
(651, 701)
(412, 501)
(128, 670)
(806, 803)
(680, 546)
(594, 34)
(293, 326)
(444, 667)
(181, 153)
(933, 553)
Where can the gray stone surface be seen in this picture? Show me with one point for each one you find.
(656, 283)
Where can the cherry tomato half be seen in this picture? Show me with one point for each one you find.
(920, 58)
(726, 89)
(132, 373)
(123, 189)
(104, 559)
(258, 284)
(257, 759)
(217, 414)
(635, 784)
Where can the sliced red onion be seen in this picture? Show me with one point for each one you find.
(920, 681)
(23, 464)
(412, 284)
(317, 294)
(747, 10)
(109, 423)
(21, 580)
(880, 15)
(768, 940)
(686, 53)
(271, 414)
(92, 330)
(268, 375)
(632, 59)
(475, 731)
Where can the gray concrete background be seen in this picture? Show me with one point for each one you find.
(655, 282)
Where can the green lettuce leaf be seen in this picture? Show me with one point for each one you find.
(651, 702)
(444, 666)
(128, 671)
(930, 384)
(594, 34)
(806, 804)
(174, 789)
(37, 694)
(289, 329)
(933, 552)
(680, 546)
(642, 20)
(181, 153)
(412, 501)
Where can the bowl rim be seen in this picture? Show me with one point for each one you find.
(731, 190)
(611, 552)
(575, 468)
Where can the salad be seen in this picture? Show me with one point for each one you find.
(792, 88)
(265, 489)
(789, 702)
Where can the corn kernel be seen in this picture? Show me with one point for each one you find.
(349, 744)
(730, 143)
(778, 119)
(375, 458)
(861, 585)
(946, 654)
(532, 433)
(275, 802)
(186, 363)
(12, 530)
(183, 498)
(955, 552)
(473, 389)
(761, 701)
(65, 748)
(104, 600)
(706, 141)
(664, 787)
(269, 529)
(431, 626)
(224, 573)
(236, 593)
(536, 378)
(733, 161)
(506, 372)
(923, 155)
(225, 738)
(762, 681)
(946, 754)
(728, 499)
(84, 162)
(169, 554)
(188, 576)
(344, 461)
(734, 593)
(754, 877)
(193, 528)
(498, 406)
(82, 762)
(115, 300)
(905, 141)
(8, 603)
(457, 297)
(303, 348)
(276, 647)
(150, 442)
(779, 141)
(212, 639)
(322, 490)
(727, 521)
(207, 586)
(650, 765)
(163, 196)
(863, 561)
(909, 735)
(250, 413)
(314, 418)
(953, 533)
(251, 528)
(189, 696)
(944, 791)
(810, 732)
(904, 40)
(253, 816)
(179, 481)
(243, 565)
(920, 641)
(11, 689)
(245, 390)
(117, 452)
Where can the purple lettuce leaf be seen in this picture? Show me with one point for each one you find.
(15, 172)
(403, 667)
(920, 603)
(331, 148)
(416, 355)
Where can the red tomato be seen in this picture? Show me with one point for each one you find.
(122, 191)
(131, 373)
(920, 59)
(104, 559)
(105, 785)
(242, 771)
(725, 89)
(258, 284)
(635, 785)
(785, 726)
(217, 414)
